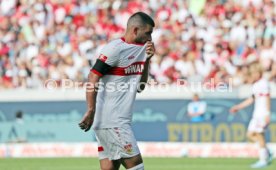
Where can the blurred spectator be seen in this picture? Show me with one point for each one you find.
(195, 40)
(196, 109)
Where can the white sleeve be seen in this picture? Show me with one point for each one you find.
(264, 90)
(190, 108)
(110, 53)
(202, 107)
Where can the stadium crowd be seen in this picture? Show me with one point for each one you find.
(195, 40)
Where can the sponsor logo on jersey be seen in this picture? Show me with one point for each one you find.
(136, 68)
(132, 69)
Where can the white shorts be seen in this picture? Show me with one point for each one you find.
(257, 125)
(116, 143)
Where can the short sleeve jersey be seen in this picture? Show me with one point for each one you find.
(260, 92)
(120, 66)
(196, 106)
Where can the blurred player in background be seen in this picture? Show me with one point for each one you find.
(122, 61)
(18, 130)
(197, 109)
(261, 116)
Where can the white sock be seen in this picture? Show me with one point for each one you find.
(137, 167)
(263, 154)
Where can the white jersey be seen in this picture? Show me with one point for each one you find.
(260, 92)
(118, 87)
(196, 106)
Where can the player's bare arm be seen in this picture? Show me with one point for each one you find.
(242, 105)
(91, 93)
(150, 50)
(195, 114)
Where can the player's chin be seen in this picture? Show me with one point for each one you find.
(141, 41)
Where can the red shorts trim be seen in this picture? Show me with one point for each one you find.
(100, 149)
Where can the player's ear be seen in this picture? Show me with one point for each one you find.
(135, 31)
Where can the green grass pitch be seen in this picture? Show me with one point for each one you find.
(150, 164)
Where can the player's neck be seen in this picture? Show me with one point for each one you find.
(128, 39)
(258, 79)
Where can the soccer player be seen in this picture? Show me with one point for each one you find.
(120, 71)
(261, 117)
(196, 109)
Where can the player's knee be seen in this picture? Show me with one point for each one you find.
(108, 167)
(137, 167)
(132, 162)
(250, 135)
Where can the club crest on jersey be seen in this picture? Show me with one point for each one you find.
(131, 57)
(103, 58)
(128, 148)
(136, 68)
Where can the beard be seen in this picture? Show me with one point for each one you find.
(140, 40)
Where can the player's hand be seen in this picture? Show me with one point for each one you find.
(234, 109)
(150, 49)
(87, 121)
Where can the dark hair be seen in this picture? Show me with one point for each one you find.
(19, 114)
(140, 18)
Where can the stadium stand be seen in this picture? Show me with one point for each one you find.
(195, 40)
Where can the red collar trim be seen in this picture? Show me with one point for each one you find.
(123, 39)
